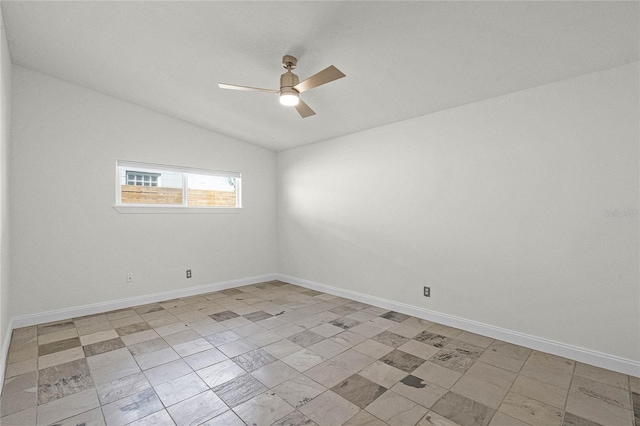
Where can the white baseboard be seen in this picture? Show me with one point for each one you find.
(96, 308)
(599, 359)
(5, 352)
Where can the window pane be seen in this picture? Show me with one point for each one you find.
(211, 191)
(142, 188)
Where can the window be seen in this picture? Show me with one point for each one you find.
(142, 178)
(145, 185)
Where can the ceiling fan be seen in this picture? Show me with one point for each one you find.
(290, 86)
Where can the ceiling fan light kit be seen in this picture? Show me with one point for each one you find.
(290, 86)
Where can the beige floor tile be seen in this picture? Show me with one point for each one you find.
(237, 347)
(299, 390)
(275, 373)
(22, 367)
(263, 409)
(530, 411)
(228, 418)
(474, 339)
(282, 348)
(25, 417)
(543, 392)
(55, 337)
(219, 373)
(161, 325)
(206, 329)
(192, 347)
(462, 410)
(143, 336)
(493, 375)
(19, 393)
(132, 408)
(88, 418)
(434, 419)
(549, 368)
(153, 359)
(264, 339)
(329, 409)
(99, 336)
(180, 388)
(422, 324)
(121, 313)
(30, 352)
(68, 406)
(122, 387)
(61, 357)
(348, 338)
(158, 418)
(204, 359)
(326, 330)
(166, 372)
(366, 329)
(327, 348)
(362, 317)
(363, 418)
(112, 365)
(353, 360)
(444, 330)
(501, 361)
(434, 373)
(601, 375)
(599, 402)
(122, 322)
(419, 349)
(396, 410)
(328, 373)
(94, 328)
(383, 374)
(419, 390)
(185, 335)
(287, 330)
(501, 419)
(303, 360)
(373, 349)
(249, 330)
(478, 390)
(405, 330)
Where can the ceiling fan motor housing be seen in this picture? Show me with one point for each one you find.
(287, 81)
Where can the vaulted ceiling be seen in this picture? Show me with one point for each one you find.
(402, 59)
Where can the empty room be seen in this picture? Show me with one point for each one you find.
(320, 213)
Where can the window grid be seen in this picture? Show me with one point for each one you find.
(142, 179)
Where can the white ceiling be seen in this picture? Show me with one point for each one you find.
(402, 59)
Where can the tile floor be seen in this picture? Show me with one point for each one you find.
(278, 354)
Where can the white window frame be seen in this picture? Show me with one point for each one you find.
(173, 208)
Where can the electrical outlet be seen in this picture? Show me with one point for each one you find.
(427, 292)
(188, 273)
(129, 277)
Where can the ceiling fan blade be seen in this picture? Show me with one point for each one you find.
(304, 110)
(327, 75)
(246, 88)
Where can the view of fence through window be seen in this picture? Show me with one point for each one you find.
(146, 184)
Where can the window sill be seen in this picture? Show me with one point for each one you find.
(176, 210)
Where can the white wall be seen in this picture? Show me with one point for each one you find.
(499, 206)
(71, 248)
(5, 117)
